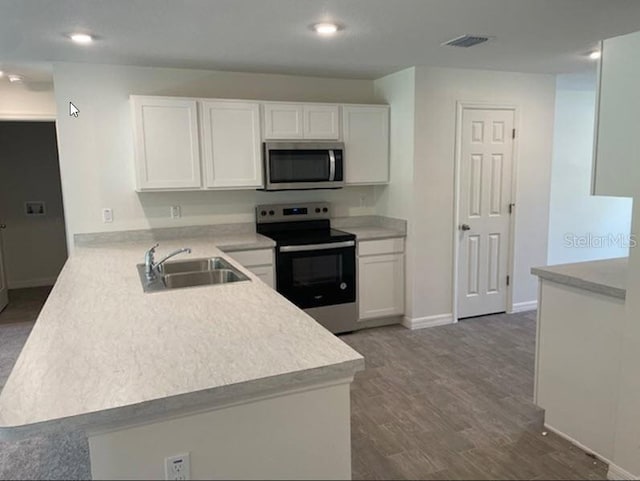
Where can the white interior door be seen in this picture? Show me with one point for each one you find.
(486, 164)
(4, 291)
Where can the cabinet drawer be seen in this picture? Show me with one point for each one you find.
(261, 257)
(383, 246)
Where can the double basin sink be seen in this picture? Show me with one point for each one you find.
(190, 273)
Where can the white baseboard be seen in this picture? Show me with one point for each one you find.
(524, 306)
(578, 444)
(46, 281)
(616, 472)
(428, 321)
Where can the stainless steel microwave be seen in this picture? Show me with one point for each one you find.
(303, 165)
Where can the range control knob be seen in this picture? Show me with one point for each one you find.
(272, 212)
(324, 209)
(263, 213)
(317, 210)
(343, 285)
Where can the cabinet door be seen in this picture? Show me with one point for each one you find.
(266, 273)
(617, 161)
(166, 142)
(321, 122)
(283, 121)
(231, 144)
(381, 286)
(365, 131)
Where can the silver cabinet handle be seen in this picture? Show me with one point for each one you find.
(465, 227)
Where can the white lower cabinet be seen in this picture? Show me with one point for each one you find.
(266, 273)
(258, 261)
(381, 278)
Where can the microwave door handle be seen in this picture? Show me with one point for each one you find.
(332, 166)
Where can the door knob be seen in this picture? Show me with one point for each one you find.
(3, 226)
(465, 227)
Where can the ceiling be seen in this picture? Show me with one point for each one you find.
(380, 36)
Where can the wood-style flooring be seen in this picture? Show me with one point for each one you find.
(24, 304)
(454, 402)
(450, 402)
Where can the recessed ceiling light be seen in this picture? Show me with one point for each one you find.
(83, 38)
(1, 74)
(15, 78)
(326, 29)
(595, 55)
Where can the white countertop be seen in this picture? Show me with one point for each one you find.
(608, 277)
(364, 233)
(102, 351)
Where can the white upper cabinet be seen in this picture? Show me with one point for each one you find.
(288, 121)
(209, 144)
(321, 122)
(231, 144)
(167, 151)
(283, 121)
(617, 154)
(365, 131)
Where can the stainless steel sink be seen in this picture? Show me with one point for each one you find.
(191, 279)
(194, 265)
(191, 273)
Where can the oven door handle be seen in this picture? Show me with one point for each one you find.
(317, 247)
(332, 166)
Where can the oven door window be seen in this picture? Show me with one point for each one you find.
(321, 278)
(286, 166)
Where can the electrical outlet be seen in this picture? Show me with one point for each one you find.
(107, 215)
(177, 467)
(175, 211)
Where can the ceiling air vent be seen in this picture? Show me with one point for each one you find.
(466, 41)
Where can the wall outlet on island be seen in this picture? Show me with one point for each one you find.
(177, 467)
(175, 211)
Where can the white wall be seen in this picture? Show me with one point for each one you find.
(437, 91)
(26, 101)
(396, 199)
(627, 437)
(34, 247)
(573, 211)
(96, 153)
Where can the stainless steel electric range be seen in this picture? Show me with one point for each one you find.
(315, 264)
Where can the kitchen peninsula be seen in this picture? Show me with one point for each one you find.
(581, 311)
(225, 373)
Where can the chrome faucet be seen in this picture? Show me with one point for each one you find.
(151, 266)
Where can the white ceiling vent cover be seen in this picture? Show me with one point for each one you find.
(466, 41)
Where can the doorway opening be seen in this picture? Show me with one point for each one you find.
(33, 246)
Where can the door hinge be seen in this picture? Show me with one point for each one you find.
(508, 280)
(513, 134)
(511, 206)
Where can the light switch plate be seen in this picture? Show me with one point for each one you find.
(176, 212)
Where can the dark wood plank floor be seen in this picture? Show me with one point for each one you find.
(451, 402)
(454, 402)
(24, 304)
